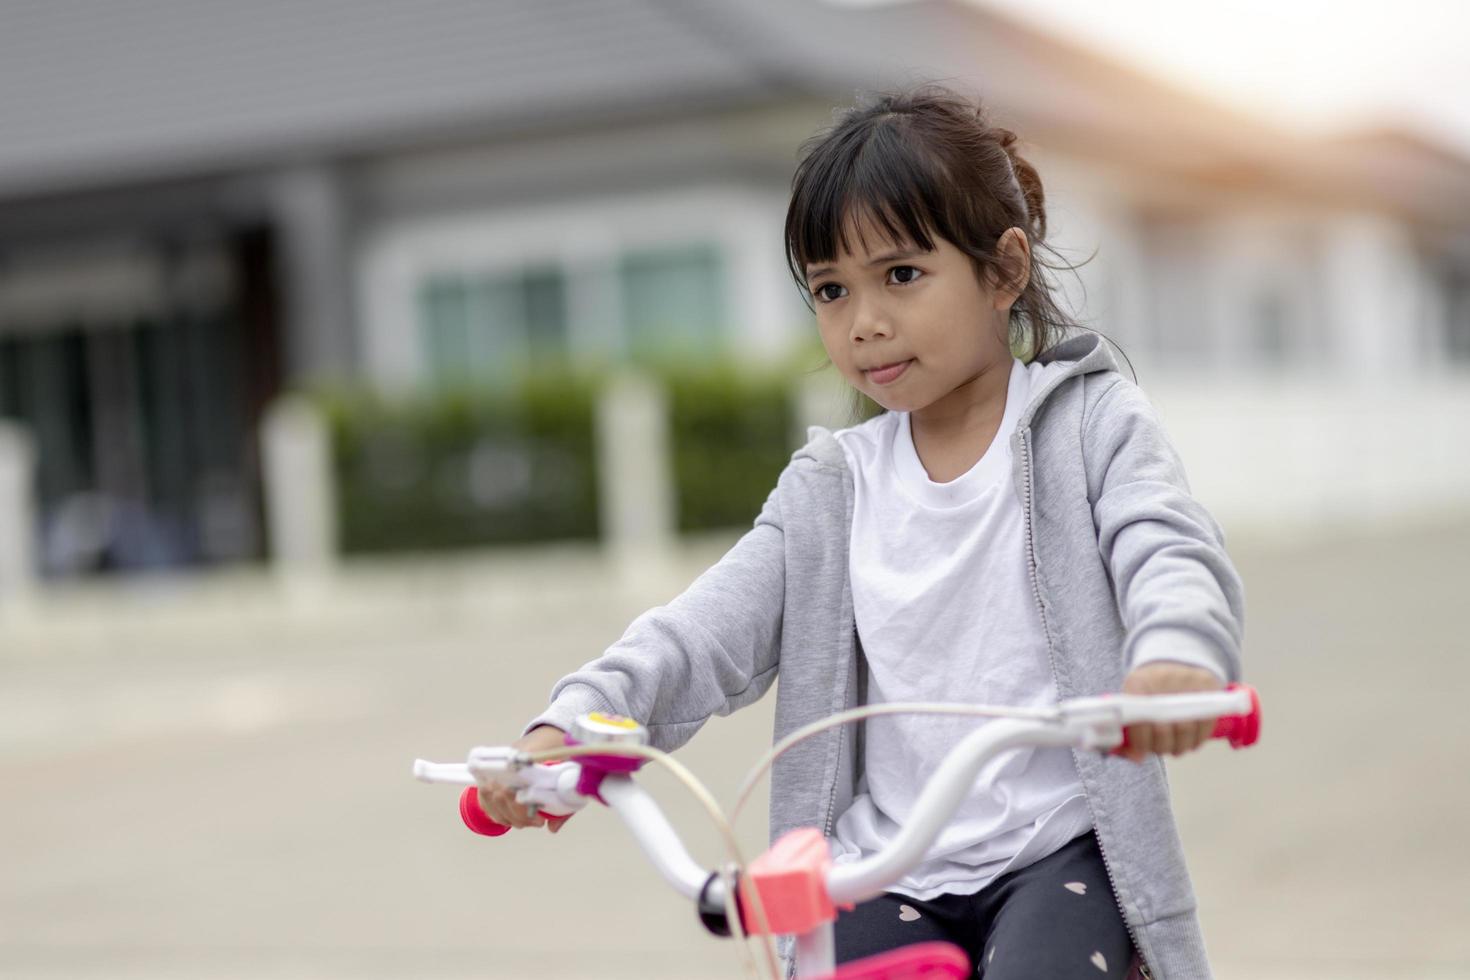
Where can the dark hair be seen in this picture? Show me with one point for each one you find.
(927, 161)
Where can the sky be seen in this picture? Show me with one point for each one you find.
(1321, 66)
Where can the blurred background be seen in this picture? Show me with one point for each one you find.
(367, 366)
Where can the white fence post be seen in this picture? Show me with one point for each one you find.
(300, 498)
(17, 515)
(636, 504)
(822, 398)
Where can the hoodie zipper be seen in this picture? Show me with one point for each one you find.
(1051, 658)
(852, 641)
(832, 795)
(837, 769)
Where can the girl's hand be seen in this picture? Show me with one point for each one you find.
(499, 802)
(1172, 738)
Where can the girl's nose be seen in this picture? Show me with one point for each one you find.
(869, 323)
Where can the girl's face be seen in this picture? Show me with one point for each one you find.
(908, 328)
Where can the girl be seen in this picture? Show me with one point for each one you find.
(1008, 531)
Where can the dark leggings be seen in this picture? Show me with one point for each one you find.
(1056, 918)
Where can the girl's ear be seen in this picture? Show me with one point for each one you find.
(1013, 251)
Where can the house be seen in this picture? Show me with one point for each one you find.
(204, 205)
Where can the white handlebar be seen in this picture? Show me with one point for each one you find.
(1089, 722)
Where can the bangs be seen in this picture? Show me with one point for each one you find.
(869, 176)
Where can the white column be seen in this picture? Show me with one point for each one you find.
(1372, 303)
(636, 501)
(314, 268)
(17, 515)
(299, 495)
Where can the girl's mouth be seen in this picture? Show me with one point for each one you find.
(889, 374)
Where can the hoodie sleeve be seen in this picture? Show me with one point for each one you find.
(712, 649)
(1178, 594)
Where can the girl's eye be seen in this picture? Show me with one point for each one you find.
(915, 273)
(821, 292)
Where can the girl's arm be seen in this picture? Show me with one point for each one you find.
(1178, 594)
(712, 649)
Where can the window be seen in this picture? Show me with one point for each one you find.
(492, 326)
(673, 300)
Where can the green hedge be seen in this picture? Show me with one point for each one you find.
(466, 468)
(730, 432)
(463, 468)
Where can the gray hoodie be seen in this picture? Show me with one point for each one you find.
(1124, 564)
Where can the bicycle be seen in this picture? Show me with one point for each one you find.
(794, 888)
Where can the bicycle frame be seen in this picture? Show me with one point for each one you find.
(798, 886)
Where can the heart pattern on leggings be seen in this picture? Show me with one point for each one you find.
(907, 914)
(1100, 961)
(1078, 887)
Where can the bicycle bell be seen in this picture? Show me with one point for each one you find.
(603, 728)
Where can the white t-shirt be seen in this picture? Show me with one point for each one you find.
(945, 612)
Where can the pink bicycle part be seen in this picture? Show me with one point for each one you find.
(595, 767)
(791, 880)
(918, 961)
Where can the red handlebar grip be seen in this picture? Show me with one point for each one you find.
(1241, 730)
(476, 818)
(479, 821)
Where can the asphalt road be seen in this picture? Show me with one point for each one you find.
(209, 782)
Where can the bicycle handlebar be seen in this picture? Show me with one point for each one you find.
(560, 788)
(556, 789)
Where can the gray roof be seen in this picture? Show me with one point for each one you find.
(105, 91)
(105, 94)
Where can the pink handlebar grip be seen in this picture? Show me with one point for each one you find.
(476, 818)
(1241, 730)
(479, 821)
